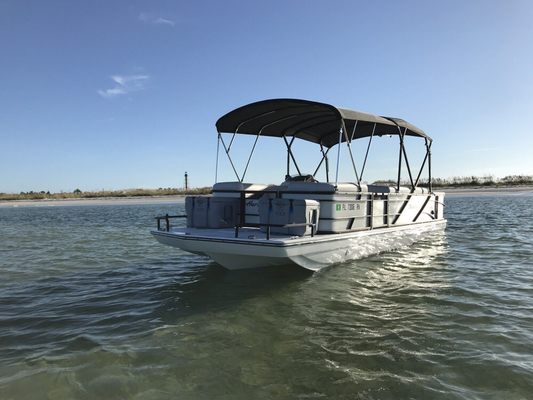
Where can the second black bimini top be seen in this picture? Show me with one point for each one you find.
(311, 121)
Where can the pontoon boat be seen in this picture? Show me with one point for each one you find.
(304, 221)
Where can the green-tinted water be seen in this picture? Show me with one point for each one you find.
(91, 307)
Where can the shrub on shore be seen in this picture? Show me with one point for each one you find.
(78, 194)
(487, 180)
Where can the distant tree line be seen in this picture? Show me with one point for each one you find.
(466, 181)
(456, 181)
(487, 180)
(78, 194)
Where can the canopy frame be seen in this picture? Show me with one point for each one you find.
(315, 122)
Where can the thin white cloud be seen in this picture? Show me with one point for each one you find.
(152, 19)
(125, 84)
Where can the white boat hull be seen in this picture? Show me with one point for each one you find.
(252, 250)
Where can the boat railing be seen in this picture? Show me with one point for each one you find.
(167, 219)
(366, 199)
(269, 226)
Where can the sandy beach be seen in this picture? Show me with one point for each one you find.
(93, 202)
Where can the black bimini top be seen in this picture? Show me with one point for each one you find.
(311, 121)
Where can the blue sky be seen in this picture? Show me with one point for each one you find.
(123, 94)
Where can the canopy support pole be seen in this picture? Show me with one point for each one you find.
(348, 144)
(218, 150)
(338, 156)
(257, 138)
(406, 159)
(423, 164)
(229, 157)
(288, 174)
(353, 131)
(231, 141)
(250, 156)
(292, 155)
(327, 165)
(324, 157)
(367, 150)
(429, 166)
(400, 160)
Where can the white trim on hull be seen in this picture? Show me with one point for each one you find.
(312, 253)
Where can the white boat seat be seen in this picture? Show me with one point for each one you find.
(321, 187)
(227, 188)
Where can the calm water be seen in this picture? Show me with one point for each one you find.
(91, 307)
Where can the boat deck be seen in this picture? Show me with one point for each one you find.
(252, 235)
(248, 234)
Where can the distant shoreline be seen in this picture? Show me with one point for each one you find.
(485, 190)
(97, 201)
(170, 199)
